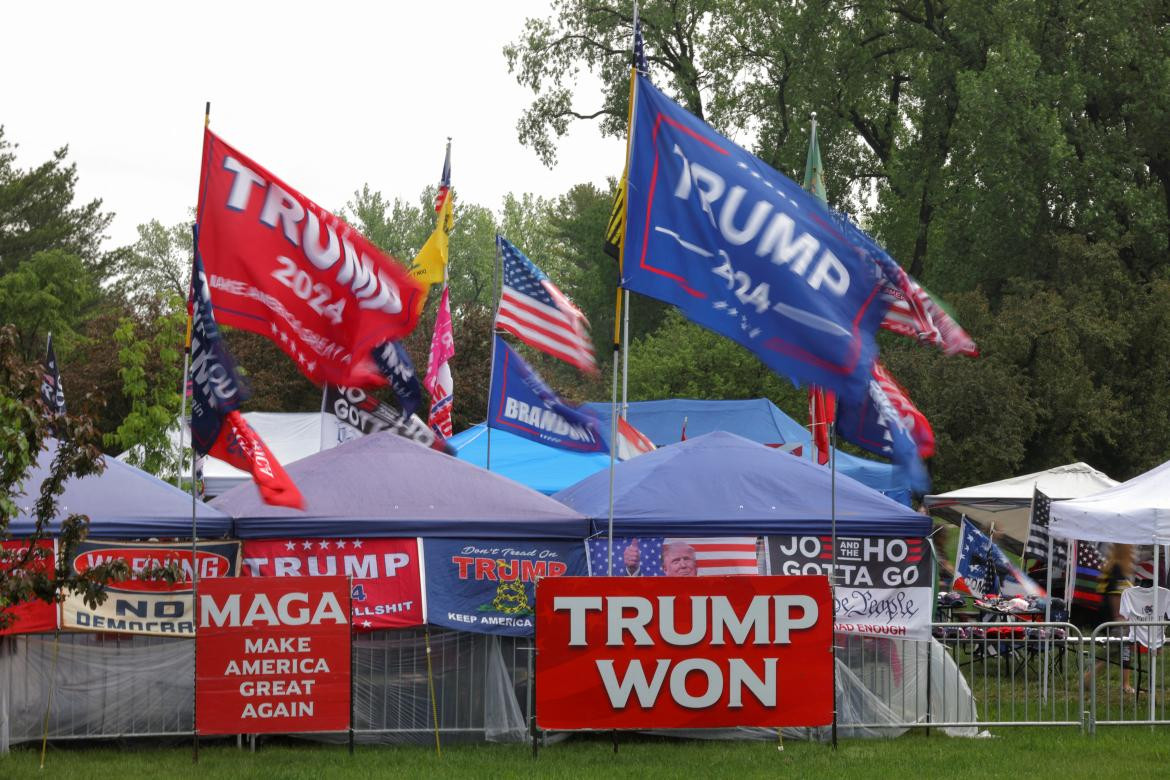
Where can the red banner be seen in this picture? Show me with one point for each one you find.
(387, 589)
(29, 617)
(282, 266)
(683, 652)
(272, 656)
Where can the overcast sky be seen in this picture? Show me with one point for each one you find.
(327, 96)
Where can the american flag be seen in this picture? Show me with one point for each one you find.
(639, 46)
(914, 313)
(1037, 546)
(713, 556)
(536, 312)
(1089, 563)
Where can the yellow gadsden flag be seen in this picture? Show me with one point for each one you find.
(430, 266)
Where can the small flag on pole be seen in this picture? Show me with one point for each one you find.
(1038, 536)
(438, 380)
(430, 265)
(535, 311)
(52, 393)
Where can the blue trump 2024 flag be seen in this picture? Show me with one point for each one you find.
(744, 251)
(521, 403)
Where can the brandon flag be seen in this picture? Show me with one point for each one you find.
(521, 403)
(284, 267)
(744, 251)
(534, 310)
(217, 427)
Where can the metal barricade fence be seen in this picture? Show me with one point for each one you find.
(1128, 674)
(1018, 673)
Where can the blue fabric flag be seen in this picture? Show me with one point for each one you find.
(216, 388)
(488, 585)
(521, 403)
(396, 365)
(875, 425)
(986, 570)
(744, 251)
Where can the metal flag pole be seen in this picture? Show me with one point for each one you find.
(613, 419)
(492, 366)
(1150, 632)
(833, 577)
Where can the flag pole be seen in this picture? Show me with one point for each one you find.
(492, 365)
(194, 513)
(613, 416)
(833, 579)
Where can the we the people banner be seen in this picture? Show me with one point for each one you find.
(147, 603)
(486, 586)
(884, 585)
(683, 652)
(272, 655)
(387, 591)
(281, 266)
(34, 616)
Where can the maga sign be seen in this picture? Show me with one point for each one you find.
(681, 652)
(272, 655)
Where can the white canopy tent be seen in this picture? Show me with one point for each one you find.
(290, 435)
(1134, 512)
(1008, 502)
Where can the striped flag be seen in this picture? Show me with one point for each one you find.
(914, 313)
(444, 181)
(438, 380)
(723, 555)
(1088, 572)
(1037, 545)
(535, 311)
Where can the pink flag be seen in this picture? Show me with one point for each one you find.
(438, 380)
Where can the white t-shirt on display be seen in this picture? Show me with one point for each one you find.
(1137, 604)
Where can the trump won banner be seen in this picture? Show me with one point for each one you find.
(386, 592)
(681, 652)
(272, 656)
(743, 250)
(281, 266)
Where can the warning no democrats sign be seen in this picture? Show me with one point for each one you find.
(683, 652)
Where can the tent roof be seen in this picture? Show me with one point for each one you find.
(541, 467)
(1008, 502)
(757, 419)
(384, 485)
(721, 483)
(1134, 512)
(122, 502)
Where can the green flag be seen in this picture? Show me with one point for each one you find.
(814, 172)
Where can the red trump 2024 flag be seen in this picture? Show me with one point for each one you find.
(281, 266)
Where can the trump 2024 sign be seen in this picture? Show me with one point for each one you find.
(683, 652)
(272, 655)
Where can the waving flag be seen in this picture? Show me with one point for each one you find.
(1088, 572)
(1038, 536)
(217, 427)
(822, 404)
(744, 251)
(631, 441)
(914, 313)
(395, 364)
(866, 426)
(983, 569)
(438, 381)
(350, 412)
(52, 393)
(282, 266)
(521, 403)
(535, 311)
(430, 265)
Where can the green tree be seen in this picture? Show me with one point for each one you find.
(29, 573)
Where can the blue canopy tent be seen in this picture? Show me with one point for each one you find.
(122, 502)
(757, 419)
(723, 484)
(383, 485)
(541, 467)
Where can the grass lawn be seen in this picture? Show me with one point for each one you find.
(1132, 752)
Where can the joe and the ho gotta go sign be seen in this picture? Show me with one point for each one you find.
(683, 652)
(273, 655)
